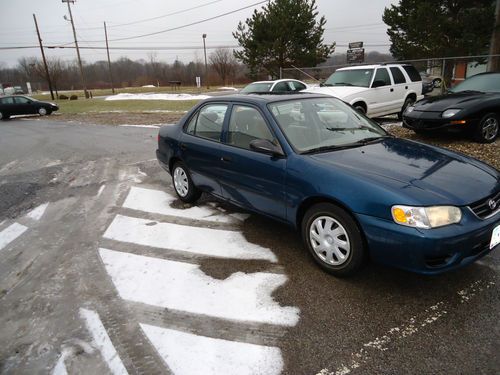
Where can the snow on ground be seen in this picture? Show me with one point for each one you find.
(183, 286)
(126, 96)
(225, 88)
(188, 354)
(186, 238)
(153, 126)
(10, 233)
(159, 202)
(102, 341)
(37, 213)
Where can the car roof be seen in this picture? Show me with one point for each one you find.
(264, 98)
(277, 80)
(372, 66)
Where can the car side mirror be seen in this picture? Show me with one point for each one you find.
(378, 83)
(265, 146)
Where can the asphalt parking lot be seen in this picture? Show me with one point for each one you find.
(103, 270)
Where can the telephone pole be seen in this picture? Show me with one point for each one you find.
(109, 60)
(206, 65)
(77, 49)
(43, 58)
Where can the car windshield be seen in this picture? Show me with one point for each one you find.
(353, 77)
(324, 124)
(480, 82)
(257, 87)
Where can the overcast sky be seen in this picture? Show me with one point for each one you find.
(347, 20)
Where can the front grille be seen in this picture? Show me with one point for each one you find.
(484, 208)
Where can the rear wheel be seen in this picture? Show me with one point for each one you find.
(4, 116)
(183, 185)
(333, 239)
(488, 129)
(42, 111)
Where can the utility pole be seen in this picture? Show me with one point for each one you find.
(206, 66)
(77, 49)
(43, 58)
(494, 61)
(109, 60)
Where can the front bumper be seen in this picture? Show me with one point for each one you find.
(430, 251)
(418, 120)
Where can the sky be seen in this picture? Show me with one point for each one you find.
(347, 21)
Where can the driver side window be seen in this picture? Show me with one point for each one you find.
(247, 124)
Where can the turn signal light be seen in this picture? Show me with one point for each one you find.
(458, 122)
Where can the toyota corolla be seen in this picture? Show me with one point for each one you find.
(354, 191)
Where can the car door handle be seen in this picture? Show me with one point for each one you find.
(392, 90)
(226, 159)
(406, 87)
(183, 147)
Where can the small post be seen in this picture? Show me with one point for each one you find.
(206, 65)
(43, 58)
(109, 60)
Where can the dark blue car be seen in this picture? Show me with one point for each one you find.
(353, 190)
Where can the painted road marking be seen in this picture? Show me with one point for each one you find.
(10, 233)
(188, 354)
(159, 202)
(102, 341)
(37, 213)
(411, 327)
(184, 287)
(206, 241)
(101, 189)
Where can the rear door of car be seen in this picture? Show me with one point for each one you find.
(7, 105)
(24, 106)
(382, 99)
(200, 146)
(401, 86)
(249, 178)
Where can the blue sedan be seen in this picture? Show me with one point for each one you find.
(354, 191)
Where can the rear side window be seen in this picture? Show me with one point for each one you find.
(7, 100)
(281, 87)
(412, 73)
(383, 75)
(398, 75)
(208, 121)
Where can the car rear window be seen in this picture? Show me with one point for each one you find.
(412, 73)
(398, 75)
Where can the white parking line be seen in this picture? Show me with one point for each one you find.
(10, 233)
(37, 213)
(188, 354)
(102, 341)
(184, 287)
(159, 202)
(213, 242)
(101, 189)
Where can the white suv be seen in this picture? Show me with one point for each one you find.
(376, 90)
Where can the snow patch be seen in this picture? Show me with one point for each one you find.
(184, 287)
(126, 96)
(101, 189)
(159, 202)
(102, 341)
(206, 241)
(37, 213)
(10, 233)
(188, 354)
(225, 88)
(154, 126)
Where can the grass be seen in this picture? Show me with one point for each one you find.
(100, 105)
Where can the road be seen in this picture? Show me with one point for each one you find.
(103, 270)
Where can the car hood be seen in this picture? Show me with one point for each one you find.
(340, 92)
(430, 175)
(452, 100)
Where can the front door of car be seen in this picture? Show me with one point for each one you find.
(24, 106)
(249, 178)
(200, 146)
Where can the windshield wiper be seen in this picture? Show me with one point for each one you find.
(361, 142)
(360, 127)
(343, 84)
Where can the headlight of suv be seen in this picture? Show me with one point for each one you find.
(426, 217)
(409, 109)
(450, 113)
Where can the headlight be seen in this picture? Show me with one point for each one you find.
(409, 109)
(450, 113)
(426, 217)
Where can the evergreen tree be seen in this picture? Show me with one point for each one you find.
(283, 33)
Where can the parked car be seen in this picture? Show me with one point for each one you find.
(354, 191)
(375, 90)
(472, 106)
(23, 105)
(431, 85)
(278, 86)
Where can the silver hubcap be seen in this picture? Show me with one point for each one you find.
(181, 182)
(42, 111)
(329, 240)
(490, 128)
(1, 115)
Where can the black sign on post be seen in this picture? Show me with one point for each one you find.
(353, 45)
(356, 56)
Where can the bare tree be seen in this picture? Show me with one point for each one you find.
(224, 63)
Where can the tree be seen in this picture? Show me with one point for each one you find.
(282, 34)
(439, 28)
(224, 63)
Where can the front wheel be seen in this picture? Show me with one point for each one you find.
(183, 185)
(488, 128)
(42, 111)
(333, 238)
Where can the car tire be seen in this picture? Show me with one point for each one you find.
(42, 111)
(487, 129)
(339, 251)
(360, 109)
(183, 184)
(408, 102)
(4, 116)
